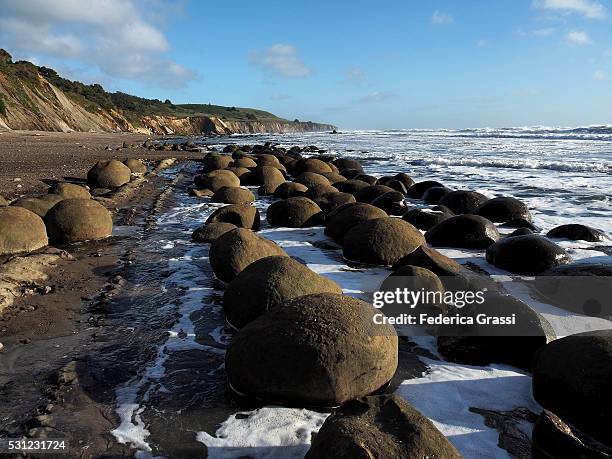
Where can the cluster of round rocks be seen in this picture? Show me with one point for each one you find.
(300, 342)
(67, 213)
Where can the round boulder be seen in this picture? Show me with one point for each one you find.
(317, 191)
(21, 231)
(217, 179)
(382, 426)
(434, 194)
(371, 192)
(416, 191)
(317, 350)
(381, 241)
(246, 162)
(209, 233)
(345, 217)
(109, 174)
(528, 255)
(40, 205)
(577, 232)
(289, 190)
(236, 249)
(269, 178)
(238, 171)
(463, 231)
(311, 179)
(392, 183)
(330, 201)
(268, 283)
(233, 195)
(503, 209)
(312, 165)
(241, 215)
(76, 220)
(405, 179)
(369, 179)
(572, 377)
(296, 212)
(136, 166)
(351, 186)
(70, 190)
(345, 163)
(333, 177)
(391, 202)
(462, 202)
(213, 162)
(425, 219)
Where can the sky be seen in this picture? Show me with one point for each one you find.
(355, 64)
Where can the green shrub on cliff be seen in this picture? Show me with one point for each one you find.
(2, 107)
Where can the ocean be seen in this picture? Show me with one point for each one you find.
(564, 175)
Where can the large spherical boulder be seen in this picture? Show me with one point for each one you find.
(330, 201)
(268, 160)
(213, 162)
(75, 220)
(70, 190)
(383, 426)
(239, 172)
(241, 215)
(503, 209)
(289, 190)
(312, 165)
(209, 233)
(268, 283)
(381, 241)
(21, 231)
(269, 178)
(429, 258)
(109, 174)
(463, 231)
(572, 377)
(369, 179)
(217, 179)
(246, 162)
(317, 350)
(405, 179)
(311, 179)
(434, 194)
(577, 232)
(344, 218)
(391, 202)
(233, 195)
(297, 212)
(462, 202)
(351, 186)
(39, 205)
(136, 166)
(392, 183)
(334, 177)
(425, 219)
(371, 192)
(234, 250)
(317, 191)
(528, 255)
(345, 163)
(416, 191)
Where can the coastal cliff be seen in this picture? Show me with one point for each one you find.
(37, 98)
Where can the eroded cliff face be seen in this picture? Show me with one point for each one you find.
(44, 107)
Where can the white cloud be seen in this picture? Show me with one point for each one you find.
(113, 36)
(440, 18)
(588, 8)
(600, 75)
(281, 60)
(577, 38)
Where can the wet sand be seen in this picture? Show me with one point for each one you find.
(29, 157)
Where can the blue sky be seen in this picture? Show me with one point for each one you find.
(357, 64)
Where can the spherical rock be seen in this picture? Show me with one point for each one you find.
(241, 215)
(217, 179)
(391, 202)
(369, 179)
(351, 186)
(577, 232)
(269, 178)
(136, 166)
(343, 219)
(75, 220)
(109, 174)
(434, 194)
(382, 426)
(462, 202)
(311, 179)
(268, 160)
(425, 219)
(70, 190)
(210, 232)
(333, 177)
(519, 223)
(246, 162)
(268, 283)
(236, 249)
(330, 201)
(317, 191)
(429, 258)
(345, 163)
(528, 255)
(381, 241)
(371, 192)
(571, 377)
(238, 171)
(213, 162)
(392, 183)
(416, 191)
(21, 231)
(463, 231)
(503, 209)
(405, 179)
(289, 190)
(296, 212)
(520, 232)
(233, 195)
(312, 165)
(317, 350)
(39, 205)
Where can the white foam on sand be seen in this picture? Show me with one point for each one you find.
(446, 392)
(269, 432)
